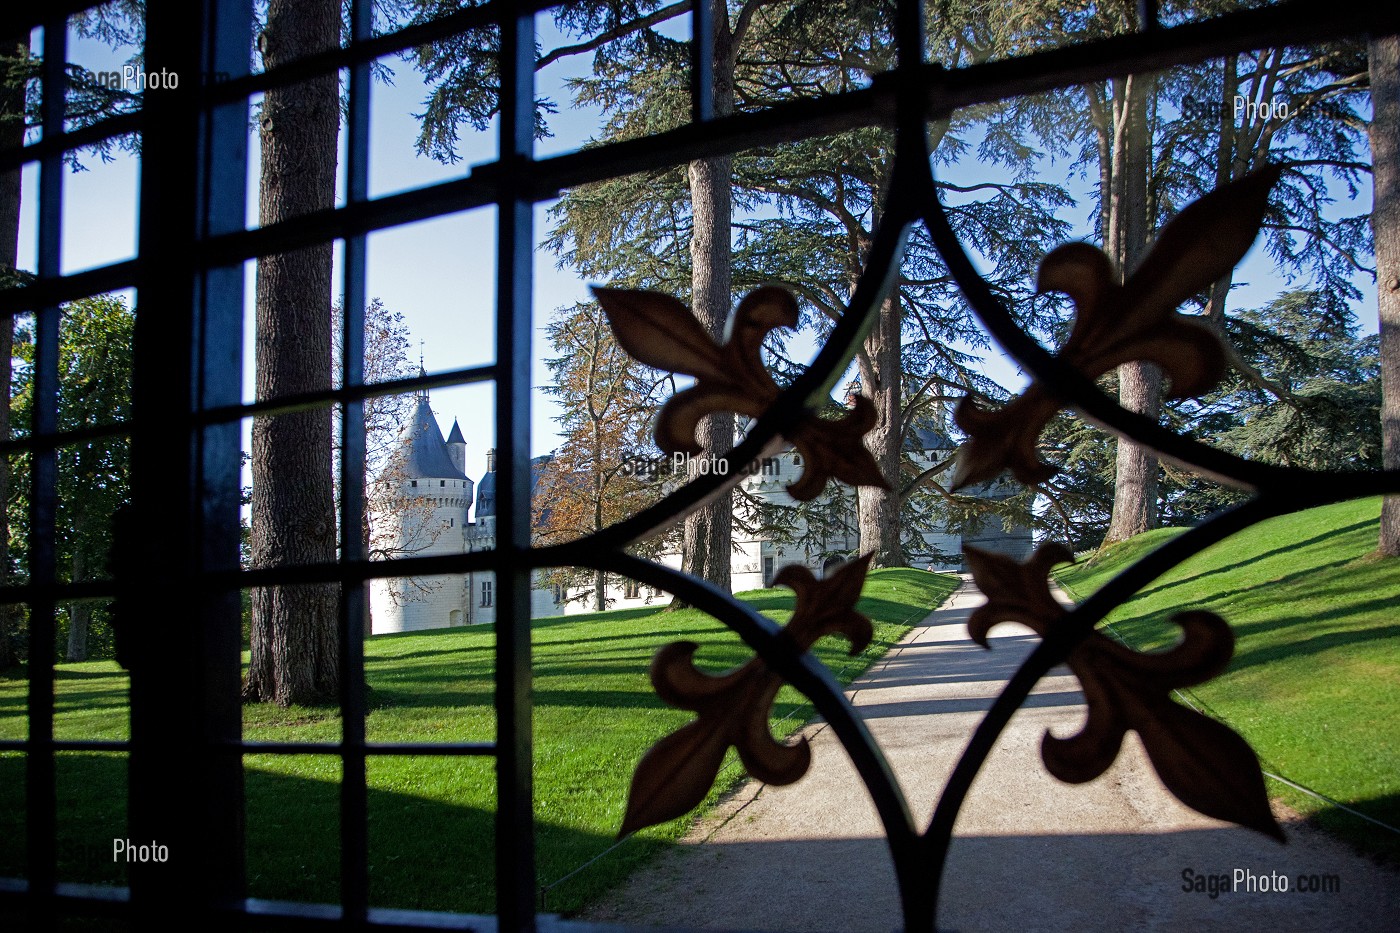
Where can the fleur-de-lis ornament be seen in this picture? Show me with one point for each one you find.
(677, 772)
(1116, 324)
(660, 331)
(1203, 762)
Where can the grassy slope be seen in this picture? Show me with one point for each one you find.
(1315, 681)
(430, 818)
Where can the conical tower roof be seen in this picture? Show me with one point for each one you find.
(455, 435)
(426, 454)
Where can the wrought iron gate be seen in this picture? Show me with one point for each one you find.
(179, 588)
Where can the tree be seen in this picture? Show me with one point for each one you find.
(808, 211)
(1385, 220)
(606, 466)
(294, 657)
(709, 530)
(14, 55)
(1306, 394)
(88, 100)
(93, 477)
(1328, 377)
(465, 92)
(1155, 143)
(1122, 126)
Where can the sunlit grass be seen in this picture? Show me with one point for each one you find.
(1314, 684)
(431, 818)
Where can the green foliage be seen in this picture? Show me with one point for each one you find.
(597, 476)
(430, 818)
(1309, 397)
(92, 475)
(89, 100)
(1314, 684)
(1329, 415)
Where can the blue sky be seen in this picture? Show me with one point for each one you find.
(440, 273)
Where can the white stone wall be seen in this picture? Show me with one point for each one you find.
(439, 527)
(543, 604)
(399, 606)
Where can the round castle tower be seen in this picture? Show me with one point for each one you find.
(429, 516)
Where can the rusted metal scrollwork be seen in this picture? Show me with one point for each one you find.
(661, 332)
(1137, 320)
(1205, 764)
(732, 709)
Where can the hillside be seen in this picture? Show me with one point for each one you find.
(1314, 684)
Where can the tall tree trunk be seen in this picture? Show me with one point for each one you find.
(79, 613)
(1139, 384)
(880, 381)
(1385, 225)
(11, 138)
(600, 578)
(294, 628)
(708, 532)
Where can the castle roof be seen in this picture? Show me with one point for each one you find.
(455, 436)
(486, 489)
(426, 452)
(927, 437)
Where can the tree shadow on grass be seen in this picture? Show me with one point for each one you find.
(1366, 837)
(610, 615)
(1162, 617)
(427, 850)
(657, 638)
(1232, 567)
(91, 795)
(887, 610)
(1279, 648)
(1345, 618)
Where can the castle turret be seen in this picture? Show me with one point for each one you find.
(429, 516)
(457, 447)
(486, 489)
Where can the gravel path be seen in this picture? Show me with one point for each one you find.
(1030, 853)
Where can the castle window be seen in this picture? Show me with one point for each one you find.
(770, 466)
(442, 482)
(558, 594)
(631, 589)
(415, 484)
(486, 594)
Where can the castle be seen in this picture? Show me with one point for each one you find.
(438, 509)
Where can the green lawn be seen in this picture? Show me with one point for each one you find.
(1315, 681)
(430, 818)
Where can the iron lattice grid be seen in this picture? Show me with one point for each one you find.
(186, 746)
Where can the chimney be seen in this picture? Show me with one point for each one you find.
(491, 460)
